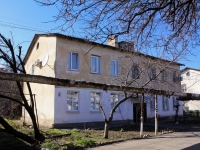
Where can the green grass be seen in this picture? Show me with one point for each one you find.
(73, 139)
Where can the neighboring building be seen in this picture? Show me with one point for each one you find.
(60, 56)
(191, 84)
(7, 107)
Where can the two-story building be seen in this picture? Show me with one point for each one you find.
(60, 56)
(191, 84)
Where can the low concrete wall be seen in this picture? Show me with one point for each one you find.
(94, 125)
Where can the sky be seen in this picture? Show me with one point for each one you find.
(22, 19)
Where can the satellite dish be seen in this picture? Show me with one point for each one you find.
(45, 60)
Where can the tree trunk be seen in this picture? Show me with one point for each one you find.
(106, 129)
(38, 136)
(16, 133)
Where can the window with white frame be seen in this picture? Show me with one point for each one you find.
(95, 101)
(114, 99)
(33, 69)
(165, 103)
(96, 64)
(114, 67)
(135, 72)
(152, 73)
(183, 87)
(72, 101)
(152, 102)
(164, 75)
(73, 61)
(174, 76)
(175, 102)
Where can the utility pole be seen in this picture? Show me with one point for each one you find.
(142, 116)
(156, 114)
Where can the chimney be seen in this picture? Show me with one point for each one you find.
(113, 41)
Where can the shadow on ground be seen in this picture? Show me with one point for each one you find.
(9, 142)
(193, 147)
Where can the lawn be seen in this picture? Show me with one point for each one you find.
(73, 139)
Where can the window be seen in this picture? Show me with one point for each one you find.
(114, 99)
(152, 73)
(95, 64)
(188, 74)
(175, 103)
(33, 69)
(37, 46)
(165, 102)
(114, 67)
(95, 101)
(164, 75)
(72, 101)
(183, 88)
(174, 76)
(152, 102)
(73, 61)
(135, 72)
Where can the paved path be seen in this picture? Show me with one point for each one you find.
(189, 140)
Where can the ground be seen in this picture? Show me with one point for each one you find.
(186, 134)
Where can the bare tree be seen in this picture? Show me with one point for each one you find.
(13, 60)
(153, 24)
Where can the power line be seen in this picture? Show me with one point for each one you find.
(22, 27)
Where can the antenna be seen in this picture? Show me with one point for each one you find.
(45, 60)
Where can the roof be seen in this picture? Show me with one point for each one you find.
(84, 41)
(188, 68)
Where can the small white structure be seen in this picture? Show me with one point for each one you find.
(60, 56)
(191, 84)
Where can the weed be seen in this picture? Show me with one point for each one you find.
(86, 143)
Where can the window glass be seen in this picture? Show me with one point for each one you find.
(165, 103)
(72, 100)
(114, 70)
(73, 61)
(95, 101)
(95, 64)
(135, 72)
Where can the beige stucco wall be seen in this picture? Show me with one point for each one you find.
(85, 50)
(44, 93)
(192, 86)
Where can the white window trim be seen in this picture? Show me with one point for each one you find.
(100, 96)
(78, 101)
(164, 76)
(164, 97)
(116, 67)
(98, 62)
(70, 68)
(133, 69)
(177, 102)
(152, 98)
(117, 109)
(33, 69)
(151, 75)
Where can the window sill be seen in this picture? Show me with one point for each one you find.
(114, 75)
(95, 73)
(73, 111)
(77, 70)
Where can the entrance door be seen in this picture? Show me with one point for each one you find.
(137, 112)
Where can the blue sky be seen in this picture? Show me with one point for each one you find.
(25, 18)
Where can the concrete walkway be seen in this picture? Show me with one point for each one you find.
(188, 140)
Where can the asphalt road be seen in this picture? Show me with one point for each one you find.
(189, 140)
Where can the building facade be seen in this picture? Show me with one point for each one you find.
(60, 56)
(191, 84)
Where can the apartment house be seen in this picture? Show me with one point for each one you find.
(191, 84)
(60, 56)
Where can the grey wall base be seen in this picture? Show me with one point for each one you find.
(91, 125)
